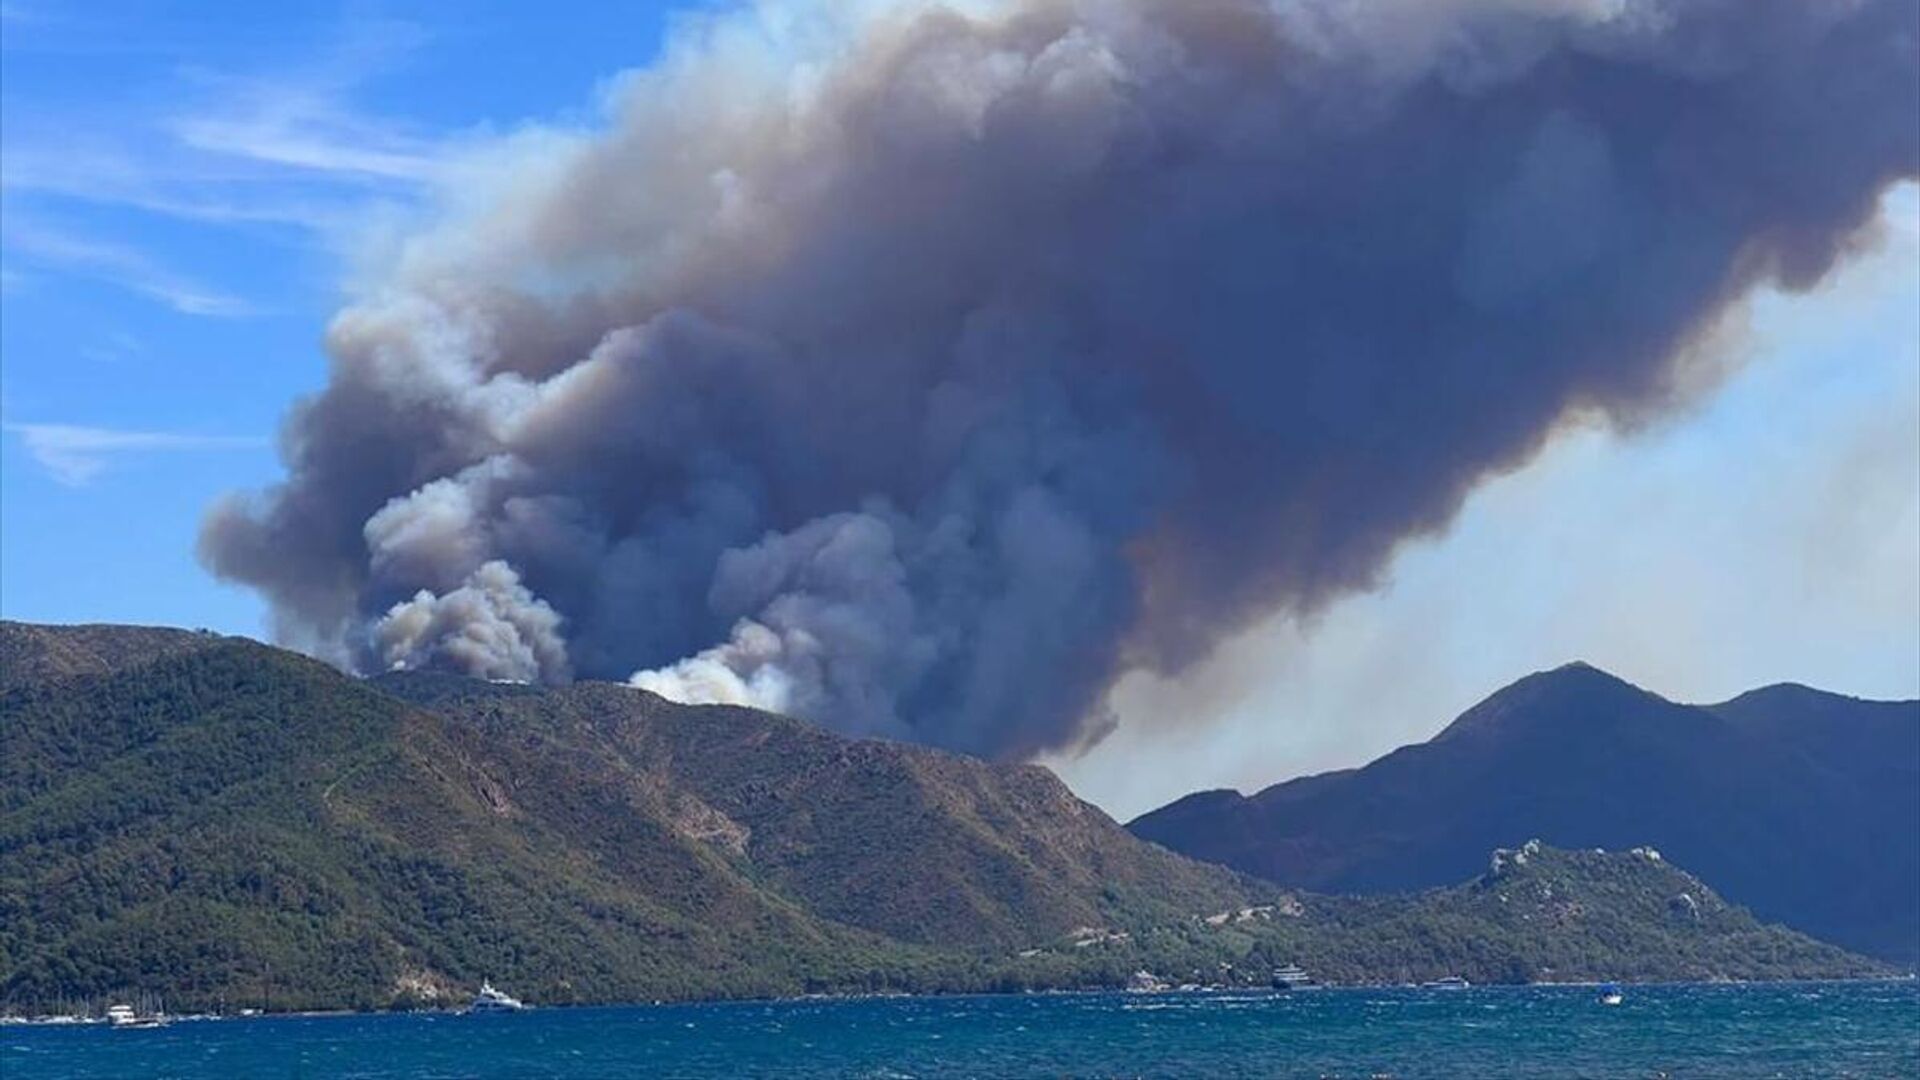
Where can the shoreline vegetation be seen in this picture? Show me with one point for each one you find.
(207, 821)
(100, 1019)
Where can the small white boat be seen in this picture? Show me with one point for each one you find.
(1450, 982)
(1291, 977)
(491, 1000)
(123, 1016)
(1611, 995)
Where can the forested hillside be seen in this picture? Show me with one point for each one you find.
(233, 824)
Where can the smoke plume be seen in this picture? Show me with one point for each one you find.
(919, 368)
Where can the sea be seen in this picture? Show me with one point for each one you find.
(1781, 1030)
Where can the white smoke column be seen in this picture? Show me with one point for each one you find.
(490, 627)
(832, 620)
(922, 367)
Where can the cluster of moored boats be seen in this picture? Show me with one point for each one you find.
(124, 1017)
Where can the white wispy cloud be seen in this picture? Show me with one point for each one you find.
(157, 177)
(301, 130)
(75, 454)
(288, 147)
(120, 265)
(302, 120)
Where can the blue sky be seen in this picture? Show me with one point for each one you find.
(180, 191)
(184, 194)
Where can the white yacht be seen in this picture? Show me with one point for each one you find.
(123, 1016)
(1450, 982)
(1292, 977)
(491, 1000)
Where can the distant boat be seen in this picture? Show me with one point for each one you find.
(1610, 995)
(1145, 982)
(1450, 982)
(1292, 977)
(491, 1000)
(123, 1016)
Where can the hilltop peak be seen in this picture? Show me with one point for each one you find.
(1794, 693)
(1573, 692)
(1575, 673)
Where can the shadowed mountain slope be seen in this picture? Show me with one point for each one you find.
(1802, 805)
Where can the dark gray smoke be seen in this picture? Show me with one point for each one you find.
(920, 370)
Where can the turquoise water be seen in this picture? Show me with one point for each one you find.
(1859, 1029)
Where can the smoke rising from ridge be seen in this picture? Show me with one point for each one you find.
(919, 370)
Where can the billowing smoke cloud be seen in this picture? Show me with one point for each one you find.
(920, 369)
(491, 627)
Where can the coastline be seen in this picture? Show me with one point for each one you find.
(1721, 1031)
(7, 1020)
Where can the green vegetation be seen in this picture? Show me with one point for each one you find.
(215, 822)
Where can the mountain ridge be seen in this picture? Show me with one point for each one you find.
(1800, 803)
(40, 652)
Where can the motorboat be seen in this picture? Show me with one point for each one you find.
(1292, 977)
(124, 1016)
(492, 1000)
